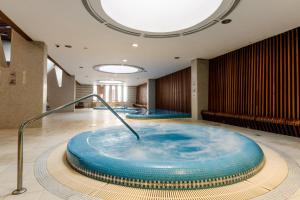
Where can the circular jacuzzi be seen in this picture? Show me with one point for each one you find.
(167, 156)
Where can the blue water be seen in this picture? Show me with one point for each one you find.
(157, 114)
(120, 109)
(165, 152)
(141, 113)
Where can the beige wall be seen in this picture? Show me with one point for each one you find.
(199, 78)
(58, 96)
(83, 90)
(27, 97)
(131, 96)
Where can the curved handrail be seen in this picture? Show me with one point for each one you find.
(20, 188)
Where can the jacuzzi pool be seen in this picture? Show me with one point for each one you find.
(168, 156)
(157, 114)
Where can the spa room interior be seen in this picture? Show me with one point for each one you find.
(150, 100)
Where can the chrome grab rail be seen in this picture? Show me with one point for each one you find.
(20, 188)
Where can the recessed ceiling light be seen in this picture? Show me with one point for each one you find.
(68, 46)
(85, 48)
(110, 82)
(124, 60)
(57, 45)
(118, 69)
(80, 67)
(159, 16)
(135, 45)
(177, 57)
(226, 21)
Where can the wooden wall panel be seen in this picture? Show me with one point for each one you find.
(260, 80)
(173, 92)
(258, 86)
(141, 94)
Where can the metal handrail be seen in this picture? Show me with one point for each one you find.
(20, 188)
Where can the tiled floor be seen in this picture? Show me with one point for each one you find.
(62, 126)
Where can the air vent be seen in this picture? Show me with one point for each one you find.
(161, 36)
(201, 28)
(235, 4)
(122, 30)
(92, 12)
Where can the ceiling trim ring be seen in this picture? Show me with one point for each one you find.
(95, 9)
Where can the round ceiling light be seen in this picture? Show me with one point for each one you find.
(110, 82)
(118, 69)
(159, 16)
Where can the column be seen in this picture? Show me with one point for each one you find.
(23, 87)
(151, 94)
(199, 79)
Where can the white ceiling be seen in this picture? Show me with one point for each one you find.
(67, 22)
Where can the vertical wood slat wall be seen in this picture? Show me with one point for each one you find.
(141, 94)
(173, 92)
(260, 80)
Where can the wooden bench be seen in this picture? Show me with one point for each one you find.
(275, 125)
(139, 105)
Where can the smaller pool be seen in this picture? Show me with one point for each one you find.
(105, 108)
(120, 109)
(157, 114)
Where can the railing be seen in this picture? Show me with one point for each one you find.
(20, 189)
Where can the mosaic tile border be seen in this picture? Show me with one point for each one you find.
(167, 185)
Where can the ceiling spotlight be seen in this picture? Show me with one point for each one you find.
(226, 21)
(124, 60)
(177, 57)
(135, 45)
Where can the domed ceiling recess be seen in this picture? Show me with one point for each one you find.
(157, 18)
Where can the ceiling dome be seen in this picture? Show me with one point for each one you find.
(157, 18)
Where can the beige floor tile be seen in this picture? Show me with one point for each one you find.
(60, 127)
(48, 196)
(25, 196)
